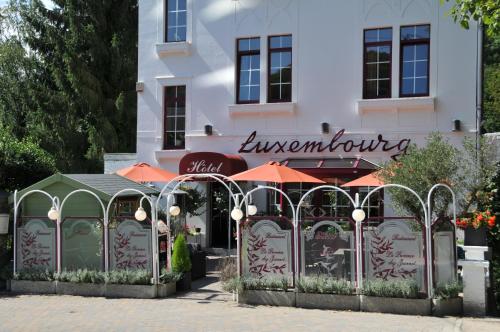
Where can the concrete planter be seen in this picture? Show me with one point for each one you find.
(265, 297)
(421, 307)
(131, 291)
(80, 289)
(4, 223)
(33, 287)
(328, 301)
(164, 290)
(447, 307)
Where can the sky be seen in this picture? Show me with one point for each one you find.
(48, 3)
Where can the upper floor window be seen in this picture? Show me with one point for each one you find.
(176, 21)
(280, 69)
(174, 118)
(414, 62)
(377, 63)
(248, 72)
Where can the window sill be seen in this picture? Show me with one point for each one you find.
(173, 48)
(396, 104)
(262, 109)
(170, 154)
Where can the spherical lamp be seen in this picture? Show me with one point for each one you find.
(174, 210)
(162, 227)
(237, 214)
(358, 215)
(252, 210)
(53, 213)
(140, 214)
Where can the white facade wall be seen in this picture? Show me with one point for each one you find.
(327, 75)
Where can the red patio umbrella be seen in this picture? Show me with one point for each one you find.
(143, 172)
(275, 172)
(370, 180)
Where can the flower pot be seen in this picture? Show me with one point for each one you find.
(4, 223)
(476, 237)
(184, 284)
(165, 290)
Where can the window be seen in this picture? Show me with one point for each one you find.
(414, 64)
(174, 118)
(377, 63)
(280, 69)
(248, 76)
(176, 21)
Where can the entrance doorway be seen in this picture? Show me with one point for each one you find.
(219, 217)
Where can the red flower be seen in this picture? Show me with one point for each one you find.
(491, 221)
(480, 217)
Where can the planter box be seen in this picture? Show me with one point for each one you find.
(448, 307)
(80, 289)
(33, 287)
(264, 297)
(4, 223)
(328, 301)
(475, 237)
(184, 284)
(165, 290)
(393, 305)
(131, 291)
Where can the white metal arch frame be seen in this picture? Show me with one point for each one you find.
(427, 229)
(354, 204)
(294, 222)
(106, 224)
(55, 204)
(179, 180)
(59, 221)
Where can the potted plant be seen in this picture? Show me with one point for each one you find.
(476, 227)
(81, 282)
(266, 291)
(323, 292)
(130, 284)
(4, 213)
(447, 300)
(181, 263)
(33, 281)
(167, 285)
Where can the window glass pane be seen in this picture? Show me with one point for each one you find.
(371, 54)
(275, 60)
(243, 45)
(407, 33)
(180, 123)
(172, 5)
(407, 86)
(384, 87)
(385, 34)
(274, 92)
(286, 41)
(422, 31)
(255, 77)
(378, 35)
(171, 34)
(384, 53)
(171, 111)
(286, 92)
(244, 93)
(275, 76)
(286, 75)
(245, 62)
(255, 62)
(181, 18)
(254, 92)
(408, 69)
(420, 85)
(421, 51)
(180, 139)
(286, 59)
(255, 44)
(384, 70)
(420, 68)
(181, 34)
(371, 36)
(408, 53)
(170, 123)
(244, 77)
(275, 42)
(371, 89)
(371, 71)
(181, 110)
(181, 4)
(172, 19)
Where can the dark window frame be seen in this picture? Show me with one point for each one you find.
(278, 50)
(365, 67)
(239, 56)
(420, 41)
(166, 24)
(166, 144)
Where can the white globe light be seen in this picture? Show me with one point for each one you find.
(140, 214)
(162, 227)
(53, 213)
(358, 215)
(252, 210)
(174, 210)
(237, 214)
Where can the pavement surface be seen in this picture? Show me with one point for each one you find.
(207, 308)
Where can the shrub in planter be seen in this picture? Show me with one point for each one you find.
(81, 282)
(167, 285)
(232, 285)
(266, 291)
(34, 275)
(322, 292)
(325, 285)
(130, 284)
(272, 284)
(181, 263)
(407, 289)
(128, 277)
(33, 281)
(447, 300)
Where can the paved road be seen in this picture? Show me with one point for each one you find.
(207, 309)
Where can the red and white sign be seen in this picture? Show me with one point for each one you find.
(36, 246)
(131, 246)
(211, 162)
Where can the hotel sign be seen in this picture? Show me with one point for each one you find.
(211, 162)
(336, 144)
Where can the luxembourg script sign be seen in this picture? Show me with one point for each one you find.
(251, 145)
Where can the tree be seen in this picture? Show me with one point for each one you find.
(181, 262)
(488, 11)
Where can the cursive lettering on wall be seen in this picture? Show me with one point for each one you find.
(251, 145)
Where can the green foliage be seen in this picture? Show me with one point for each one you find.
(81, 276)
(181, 262)
(228, 269)
(276, 283)
(491, 107)
(22, 162)
(194, 200)
(128, 277)
(34, 275)
(488, 11)
(325, 285)
(448, 290)
(399, 288)
(167, 277)
(232, 285)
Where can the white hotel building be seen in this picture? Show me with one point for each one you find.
(318, 80)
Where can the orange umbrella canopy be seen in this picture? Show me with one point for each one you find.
(143, 172)
(370, 180)
(275, 172)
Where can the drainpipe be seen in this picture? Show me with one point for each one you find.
(479, 83)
